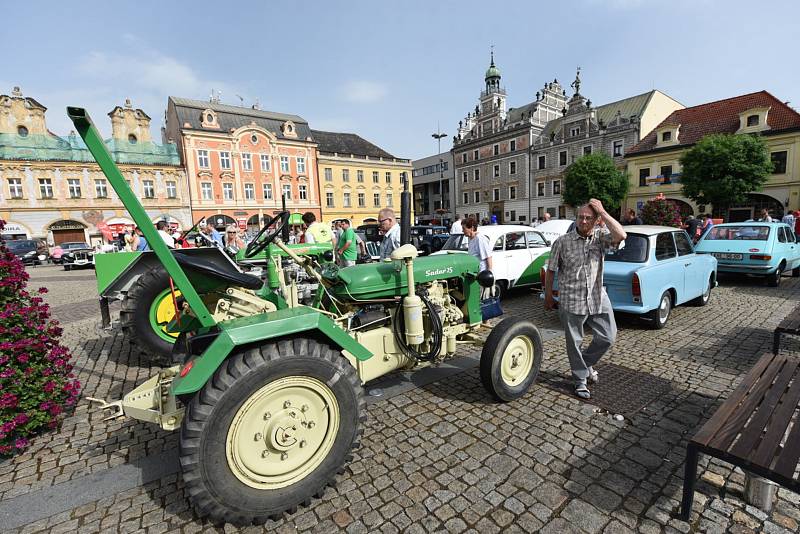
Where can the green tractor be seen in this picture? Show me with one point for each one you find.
(271, 404)
(140, 282)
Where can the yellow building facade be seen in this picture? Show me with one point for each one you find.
(357, 178)
(654, 163)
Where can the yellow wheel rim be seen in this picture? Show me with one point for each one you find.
(517, 360)
(282, 432)
(162, 312)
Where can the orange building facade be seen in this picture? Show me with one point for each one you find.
(240, 162)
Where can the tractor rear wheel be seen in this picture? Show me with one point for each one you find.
(270, 431)
(511, 358)
(146, 310)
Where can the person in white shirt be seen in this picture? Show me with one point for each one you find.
(162, 226)
(456, 227)
(391, 232)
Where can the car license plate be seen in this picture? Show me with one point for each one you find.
(727, 256)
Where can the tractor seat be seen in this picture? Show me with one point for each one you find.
(225, 271)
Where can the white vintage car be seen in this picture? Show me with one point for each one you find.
(518, 252)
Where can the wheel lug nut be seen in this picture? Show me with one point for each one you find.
(287, 404)
(267, 416)
(284, 456)
(304, 408)
(258, 436)
(264, 454)
(293, 415)
(311, 424)
(302, 444)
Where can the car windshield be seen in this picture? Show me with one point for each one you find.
(22, 243)
(456, 242)
(632, 250)
(738, 233)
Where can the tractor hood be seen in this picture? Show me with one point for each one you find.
(388, 279)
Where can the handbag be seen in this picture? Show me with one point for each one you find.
(490, 308)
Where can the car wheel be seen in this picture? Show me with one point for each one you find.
(660, 315)
(703, 299)
(774, 279)
(67, 267)
(500, 288)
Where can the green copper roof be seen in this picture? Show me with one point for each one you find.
(492, 72)
(71, 148)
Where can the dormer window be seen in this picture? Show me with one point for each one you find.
(753, 120)
(22, 131)
(208, 119)
(666, 136)
(132, 139)
(288, 129)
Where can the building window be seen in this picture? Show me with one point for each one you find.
(466, 198)
(512, 192)
(267, 189)
(362, 200)
(46, 187)
(389, 200)
(575, 131)
(666, 136)
(587, 150)
(360, 176)
(496, 150)
(205, 190)
(375, 177)
(15, 187)
(345, 175)
(403, 176)
(643, 174)
(247, 161)
(254, 139)
(227, 191)
(284, 163)
(202, 159)
(328, 174)
(556, 187)
(132, 139)
(287, 191)
(22, 131)
(388, 177)
(329, 199)
(666, 172)
(376, 200)
(224, 160)
(752, 120)
(562, 158)
(303, 191)
(477, 173)
(513, 215)
(346, 198)
(172, 189)
(542, 162)
(464, 176)
(495, 194)
(149, 190)
(74, 188)
(512, 145)
(101, 188)
(474, 155)
(249, 191)
(618, 148)
(301, 165)
(512, 167)
(477, 196)
(539, 189)
(464, 157)
(778, 162)
(265, 164)
(496, 171)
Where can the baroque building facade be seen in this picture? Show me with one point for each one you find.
(52, 188)
(241, 163)
(357, 178)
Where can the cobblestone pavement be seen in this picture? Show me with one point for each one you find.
(440, 457)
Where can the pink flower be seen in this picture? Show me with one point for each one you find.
(21, 419)
(21, 443)
(49, 386)
(42, 290)
(23, 358)
(8, 400)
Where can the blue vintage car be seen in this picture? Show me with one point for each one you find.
(655, 269)
(757, 248)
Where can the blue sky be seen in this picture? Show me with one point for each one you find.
(389, 71)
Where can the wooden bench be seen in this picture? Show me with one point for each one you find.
(753, 428)
(790, 325)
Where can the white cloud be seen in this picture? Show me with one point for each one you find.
(364, 91)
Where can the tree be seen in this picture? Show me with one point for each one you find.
(36, 380)
(722, 168)
(595, 176)
(661, 212)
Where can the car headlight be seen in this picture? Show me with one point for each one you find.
(31, 253)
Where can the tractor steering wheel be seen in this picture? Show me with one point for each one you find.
(260, 241)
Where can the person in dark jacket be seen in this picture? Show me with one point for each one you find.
(631, 218)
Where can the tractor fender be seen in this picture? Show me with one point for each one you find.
(255, 330)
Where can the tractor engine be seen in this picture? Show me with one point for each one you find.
(306, 285)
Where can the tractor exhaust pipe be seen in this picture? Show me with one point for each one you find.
(405, 214)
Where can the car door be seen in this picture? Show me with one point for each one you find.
(539, 252)
(668, 271)
(693, 275)
(516, 256)
(793, 256)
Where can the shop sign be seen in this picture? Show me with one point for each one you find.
(242, 223)
(13, 228)
(66, 225)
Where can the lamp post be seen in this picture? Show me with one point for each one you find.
(438, 136)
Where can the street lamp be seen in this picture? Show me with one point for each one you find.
(438, 136)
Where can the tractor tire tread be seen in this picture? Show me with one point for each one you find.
(139, 336)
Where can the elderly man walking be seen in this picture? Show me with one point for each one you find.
(577, 257)
(391, 232)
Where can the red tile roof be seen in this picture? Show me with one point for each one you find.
(721, 116)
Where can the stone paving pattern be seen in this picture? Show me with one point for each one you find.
(443, 457)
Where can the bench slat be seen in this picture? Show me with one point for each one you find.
(787, 460)
(772, 439)
(763, 417)
(709, 430)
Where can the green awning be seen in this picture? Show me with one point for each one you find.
(296, 218)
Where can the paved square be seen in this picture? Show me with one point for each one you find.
(437, 454)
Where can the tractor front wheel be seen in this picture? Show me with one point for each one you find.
(270, 431)
(144, 315)
(511, 358)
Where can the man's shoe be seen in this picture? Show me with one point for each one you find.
(593, 376)
(582, 391)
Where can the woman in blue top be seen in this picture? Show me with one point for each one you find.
(141, 242)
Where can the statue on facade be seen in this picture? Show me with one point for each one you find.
(577, 83)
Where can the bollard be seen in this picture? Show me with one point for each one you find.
(759, 492)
